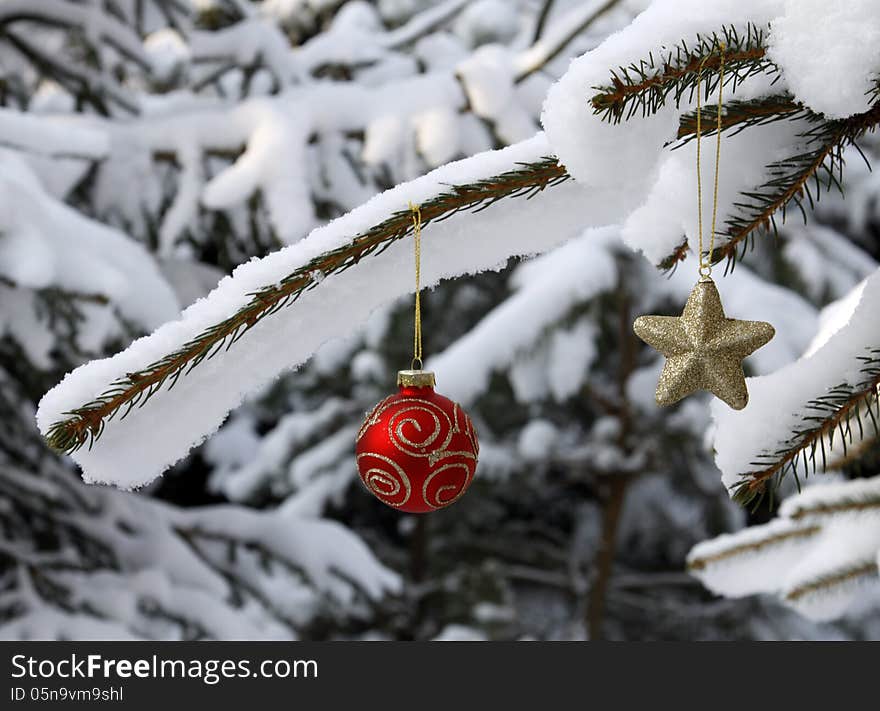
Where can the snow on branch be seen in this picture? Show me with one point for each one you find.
(626, 174)
(48, 245)
(546, 291)
(548, 45)
(646, 86)
(838, 380)
(92, 22)
(317, 274)
(819, 504)
(796, 179)
(104, 41)
(819, 556)
(133, 566)
(54, 136)
(624, 111)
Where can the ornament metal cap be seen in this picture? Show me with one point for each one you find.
(415, 379)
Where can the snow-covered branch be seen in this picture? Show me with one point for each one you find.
(821, 556)
(451, 247)
(803, 417)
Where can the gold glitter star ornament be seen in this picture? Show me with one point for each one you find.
(704, 349)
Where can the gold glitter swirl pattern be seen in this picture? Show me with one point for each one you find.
(373, 417)
(446, 494)
(471, 434)
(424, 431)
(386, 484)
(401, 419)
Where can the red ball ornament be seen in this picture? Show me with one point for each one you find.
(417, 450)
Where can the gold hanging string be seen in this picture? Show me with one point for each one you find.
(705, 267)
(417, 330)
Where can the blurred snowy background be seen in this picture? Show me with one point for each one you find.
(125, 195)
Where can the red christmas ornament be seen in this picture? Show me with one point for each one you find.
(417, 450)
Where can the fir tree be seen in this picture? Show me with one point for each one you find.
(174, 144)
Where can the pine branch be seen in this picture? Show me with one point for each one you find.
(843, 506)
(752, 547)
(81, 82)
(86, 424)
(857, 456)
(795, 181)
(740, 115)
(846, 411)
(545, 55)
(543, 16)
(72, 17)
(844, 576)
(643, 87)
(236, 581)
(798, 180)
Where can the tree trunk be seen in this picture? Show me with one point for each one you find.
(612, 506)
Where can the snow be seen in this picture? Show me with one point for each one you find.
(93, 24)
(190, 280)
(829, 53)
(54, 624)
(669, 210)
(572, 352)
(628, 154)
(546, 290)
(826, 501)
(844, 546)
(752, 571)
(557, 32)
(18, 319)
(827, 262)
(183, 571)
(537, 441)
(809, 572)
(635, 154)
(487, 76)
(48, 244)
(421, 23)
(50, 135)
(486, 21)
(277, 133)
(168, 52)
(460, 633)
(182, 212)
(437, 135)
(776, 400)
(245, 42)
(328, 553)
(244, 463)
(271, 151)
(834, 317)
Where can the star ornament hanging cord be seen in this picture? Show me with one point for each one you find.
(704, 349)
